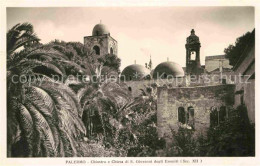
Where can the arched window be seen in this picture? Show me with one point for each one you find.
(181, 115)
(164, 75)
(130, 78)
(111, 51)
(97, 50)
(222, 113)
(130, 89)
(193, 55)
(213, 117)
(190, 117)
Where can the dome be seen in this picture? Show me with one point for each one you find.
(168, 69)
(100, 29)
(135, 72)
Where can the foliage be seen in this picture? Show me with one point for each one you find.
(55, 110)
(233, 137)
(233, 52)
(43, 114)
(21, 35)
(184, 143)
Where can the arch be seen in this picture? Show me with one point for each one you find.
(222, 113)
(111, 51)
(190, 117)
(164, 76)
(130, 89)
(193, 55)
(213, 117)
(181, 115)
(97, 50)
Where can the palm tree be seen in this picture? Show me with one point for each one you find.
(21, 35)
(44, 115)
(105, 108)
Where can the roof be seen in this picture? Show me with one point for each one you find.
(100, 29)
(223, 70)
(166, 69)
(215, 57)
(135, 72)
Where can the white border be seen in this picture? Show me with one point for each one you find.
(106, 3)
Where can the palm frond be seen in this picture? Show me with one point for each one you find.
(26, 124)
(43, 127)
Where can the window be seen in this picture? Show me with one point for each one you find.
(223, 81)
(130, 89)
(222, 113)
(213, 117)
(181, 115)
(97, 50)
(242, 99)
(111, 51)
(216, 117)
(192, 55)
(186, 117)
(190, 117)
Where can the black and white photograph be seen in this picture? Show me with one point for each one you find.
(136, 84)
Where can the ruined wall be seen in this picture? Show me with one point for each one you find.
(202, 99)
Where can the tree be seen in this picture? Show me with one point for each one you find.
(43, 114)
(233, 52)
(21, 35)
(233, 137)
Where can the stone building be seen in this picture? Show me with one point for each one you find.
(173, 75)
(244, 72)
(101, 43)
(217, 63)
(196, 108)
(180, 101)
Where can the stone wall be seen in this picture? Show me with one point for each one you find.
(245, 83)
(187, 81)
(137, 85)
(104, 42)
(201, 98)
(212, 64)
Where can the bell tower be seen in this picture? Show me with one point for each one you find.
(193, 54)
(101, 42)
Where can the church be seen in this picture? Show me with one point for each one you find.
(181, 102)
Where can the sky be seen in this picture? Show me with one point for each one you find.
(142, 31)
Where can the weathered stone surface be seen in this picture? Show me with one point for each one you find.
(201, 98)
(104, 42)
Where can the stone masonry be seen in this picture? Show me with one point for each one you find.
(201, 98)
